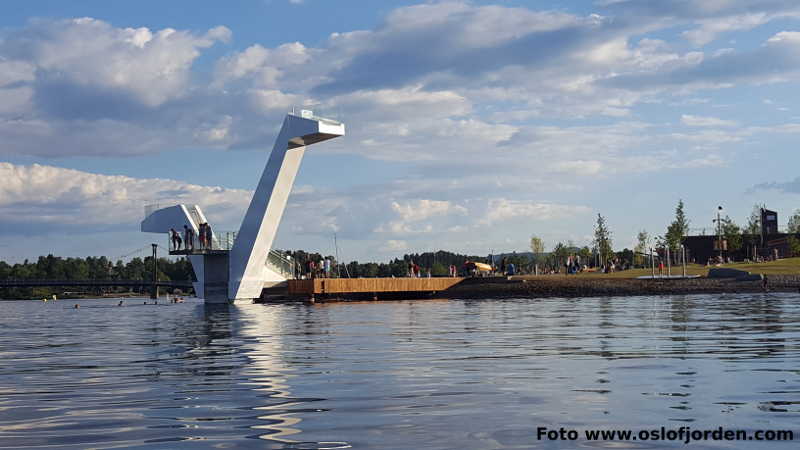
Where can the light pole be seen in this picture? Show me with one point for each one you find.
(683, 256)
(719, 232)
(154, 289)
(652, 263)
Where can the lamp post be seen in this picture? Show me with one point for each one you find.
(719, 232)
(154, 288)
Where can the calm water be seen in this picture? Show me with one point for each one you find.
(396, 375)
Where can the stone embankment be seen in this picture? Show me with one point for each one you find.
(580, 286)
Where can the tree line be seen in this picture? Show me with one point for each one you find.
(740, 240)
(437, 262)
(90, 268)
(101, 268)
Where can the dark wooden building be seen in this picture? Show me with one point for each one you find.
(700, 249)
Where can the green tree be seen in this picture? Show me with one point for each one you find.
(602, 239)
(642, 246)
(753, 226)
(586, 255)
(438, 270)
(678, 228)
(793, 225)
(559, 254)
(794, 245)
(537, 245)
(731, 233)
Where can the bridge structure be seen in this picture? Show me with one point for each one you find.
(238, 266)
(93, 283)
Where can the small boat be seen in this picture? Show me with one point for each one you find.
(483, 267)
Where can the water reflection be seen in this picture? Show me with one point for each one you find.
(431, 374)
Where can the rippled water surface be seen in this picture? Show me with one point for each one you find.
(395, 375)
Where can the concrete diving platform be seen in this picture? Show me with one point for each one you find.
(198, 251)
(373, 286)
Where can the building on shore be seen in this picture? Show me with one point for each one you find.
(770, 243)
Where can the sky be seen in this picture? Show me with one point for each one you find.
(471, 125)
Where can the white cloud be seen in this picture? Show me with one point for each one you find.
(46, 197)
(578, 167)
(153, 67)
(503, 108)
(393, 245)
(425, 209)
(502, 209)
(265, 65)
(701, 121)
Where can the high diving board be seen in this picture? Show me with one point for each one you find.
(244, 271)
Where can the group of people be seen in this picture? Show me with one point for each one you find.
(413, 270)
(204, 236)
(507, 267)
(322, 269)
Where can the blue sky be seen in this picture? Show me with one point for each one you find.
(471, 125)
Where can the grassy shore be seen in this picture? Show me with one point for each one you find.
(784, 276)
(788, 266)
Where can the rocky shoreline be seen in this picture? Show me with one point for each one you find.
(577, 286)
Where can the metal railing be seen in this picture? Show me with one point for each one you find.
(313, 112)
(222, 240)
(282, 264)
(278, 261)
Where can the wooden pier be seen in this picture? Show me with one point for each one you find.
(374, 286)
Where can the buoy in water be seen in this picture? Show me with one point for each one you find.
(77, 306)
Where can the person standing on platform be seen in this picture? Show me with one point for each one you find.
(174, 236)
(209, 237)
(201, 235)
(188, 237)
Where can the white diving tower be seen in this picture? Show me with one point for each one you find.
(226, 273)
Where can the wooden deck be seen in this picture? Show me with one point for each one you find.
(369, 285)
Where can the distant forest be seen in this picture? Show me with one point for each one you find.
(101, 268)
(437, 262)
(90, 268)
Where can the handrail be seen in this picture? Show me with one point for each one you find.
(281, 263)
(220, 240)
